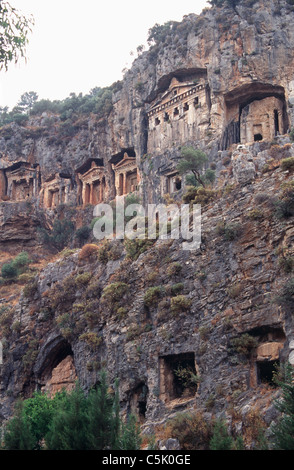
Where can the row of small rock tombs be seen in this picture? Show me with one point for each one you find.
(177, 372)
(22, 181)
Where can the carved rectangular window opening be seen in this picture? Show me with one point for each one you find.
(186, 107)
(157, 121)
(266, 371)
(178, 378)
(166, 117)
(257, 137)
(176, 112)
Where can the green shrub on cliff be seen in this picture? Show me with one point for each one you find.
(72, 421)
(16, 266)
(153, 295)
(285, 204)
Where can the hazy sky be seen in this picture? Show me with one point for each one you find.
(77, 45)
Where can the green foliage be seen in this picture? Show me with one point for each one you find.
(21, 260)
(14, 31)
(130, 438)
(255, 214)
(72, 421)
(60, 234)
(176, 288)
(230, 231)
(30, 288)
(221, 440)
(15, 267)
(158, 33)
(68, 429)
(285, 204)
(174, 269)
(114, 292)
(244, 344)
(193, 160)
(134, 248)
(190, 194)
(92, 339)
(98, 102)
(283, 429)
(153, 295)
(187, 377)
(82, 279)
(38, 411)
(192, 430)
(18, 433)
(180, 303)
(9, 271)
(83, 233)
(286, 263)
(27, 101)
(286, 296)
(287, 164)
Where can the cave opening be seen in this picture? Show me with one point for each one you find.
(138, 401)
(178, 377)
(57, 365)
(253, 106)
(266, 371)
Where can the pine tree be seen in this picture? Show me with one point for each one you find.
(130, 435)
(283, 430)
(101, 417)
(69, 427)
(18, 434)
(221, 440)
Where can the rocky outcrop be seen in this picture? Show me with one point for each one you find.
(213, 311)
(219, 78)
(148, 312)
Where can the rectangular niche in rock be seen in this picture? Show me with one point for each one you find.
(178, 376)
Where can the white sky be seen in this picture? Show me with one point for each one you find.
(79, 44)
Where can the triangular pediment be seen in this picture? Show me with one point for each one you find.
(125, 161)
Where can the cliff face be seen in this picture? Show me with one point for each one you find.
(202, 84)
(221, 81)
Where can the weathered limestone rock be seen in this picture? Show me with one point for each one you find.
(244, 170)
(63, 377)
(227, 88)
(269, 351)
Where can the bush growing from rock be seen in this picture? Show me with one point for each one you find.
(285, 204)
(287, 164)
(89, 252)
(15, 267)
(114, 292)
(180, 303)
(153, 295)
(244, 344)
(9, 271)
(229, 231)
